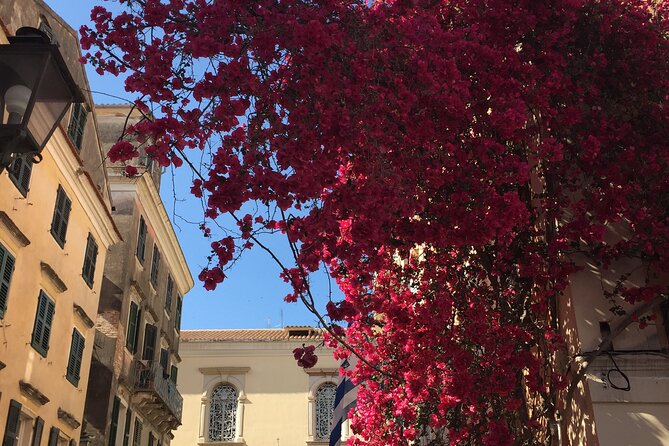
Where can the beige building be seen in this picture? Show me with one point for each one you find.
(132, 396)
(55, 231)
(243, 387)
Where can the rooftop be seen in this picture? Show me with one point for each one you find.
(253, 334)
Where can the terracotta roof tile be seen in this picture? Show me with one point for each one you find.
(252, 335)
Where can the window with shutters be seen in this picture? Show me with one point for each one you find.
(13, 424)
(90, 257)
(164, 361)
(126, 427)
(46, 309)
(151, 440)
(38, 428)
(113, 425)
(77, 124)
(46, 29)
(141, 240)
(76, 356)
(155, 266)
(174, 371)
(137, 434)
(54, 433)
(19, 172)
(149, 352)
(169, 290)
(132, 328)
(177, 317)
(61, 216)
(6, 270)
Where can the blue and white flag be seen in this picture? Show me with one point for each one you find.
(345, 399)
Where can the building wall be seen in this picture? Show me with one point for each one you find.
(600, 413)
(276, 395)
(127, 279)
(42, 264)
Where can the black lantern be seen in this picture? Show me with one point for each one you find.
(36, 89)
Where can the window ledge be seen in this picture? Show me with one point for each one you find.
(318, 443)
(222, 443)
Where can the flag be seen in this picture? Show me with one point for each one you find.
(345, 399)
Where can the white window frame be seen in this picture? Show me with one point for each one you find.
(213, 377)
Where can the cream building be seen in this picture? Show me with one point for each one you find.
(132, 395)
(55, 230)
(243, 387)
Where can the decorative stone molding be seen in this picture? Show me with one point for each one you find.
(224, 370)
(33, 393)
(14, 230)
(322, 372)
(79, 311)
(49, 272)
(68, 418)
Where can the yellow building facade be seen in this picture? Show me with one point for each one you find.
(55, 231)
(243, 387)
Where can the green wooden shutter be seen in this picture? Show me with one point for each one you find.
(174, 371)
(61, 216)
(76, 356)
(164, 359)
(53, 436)
(168, 294)
(19, 173)
(155, 266)
(90, 257)
(131, 335)
(43, 320)
(141, 239)
(177, 322)
(126, 427)
(6, 270)
(12, 424)
(37, 432)
(149, 352)
(113, 427)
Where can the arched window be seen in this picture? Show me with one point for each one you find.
(223, 413)
(325, 399)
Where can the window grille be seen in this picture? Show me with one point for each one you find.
(325, 400)
(223, 413)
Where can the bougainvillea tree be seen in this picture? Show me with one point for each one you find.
(445, 159)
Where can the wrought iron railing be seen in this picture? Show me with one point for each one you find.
(150, 376)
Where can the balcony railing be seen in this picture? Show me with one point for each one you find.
(148, 376)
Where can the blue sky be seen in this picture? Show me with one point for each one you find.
(252, 295)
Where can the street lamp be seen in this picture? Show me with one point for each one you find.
(36, 89)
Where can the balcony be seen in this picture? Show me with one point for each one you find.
(157, 396)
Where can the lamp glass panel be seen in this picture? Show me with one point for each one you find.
(52, 99)
(18, 68)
